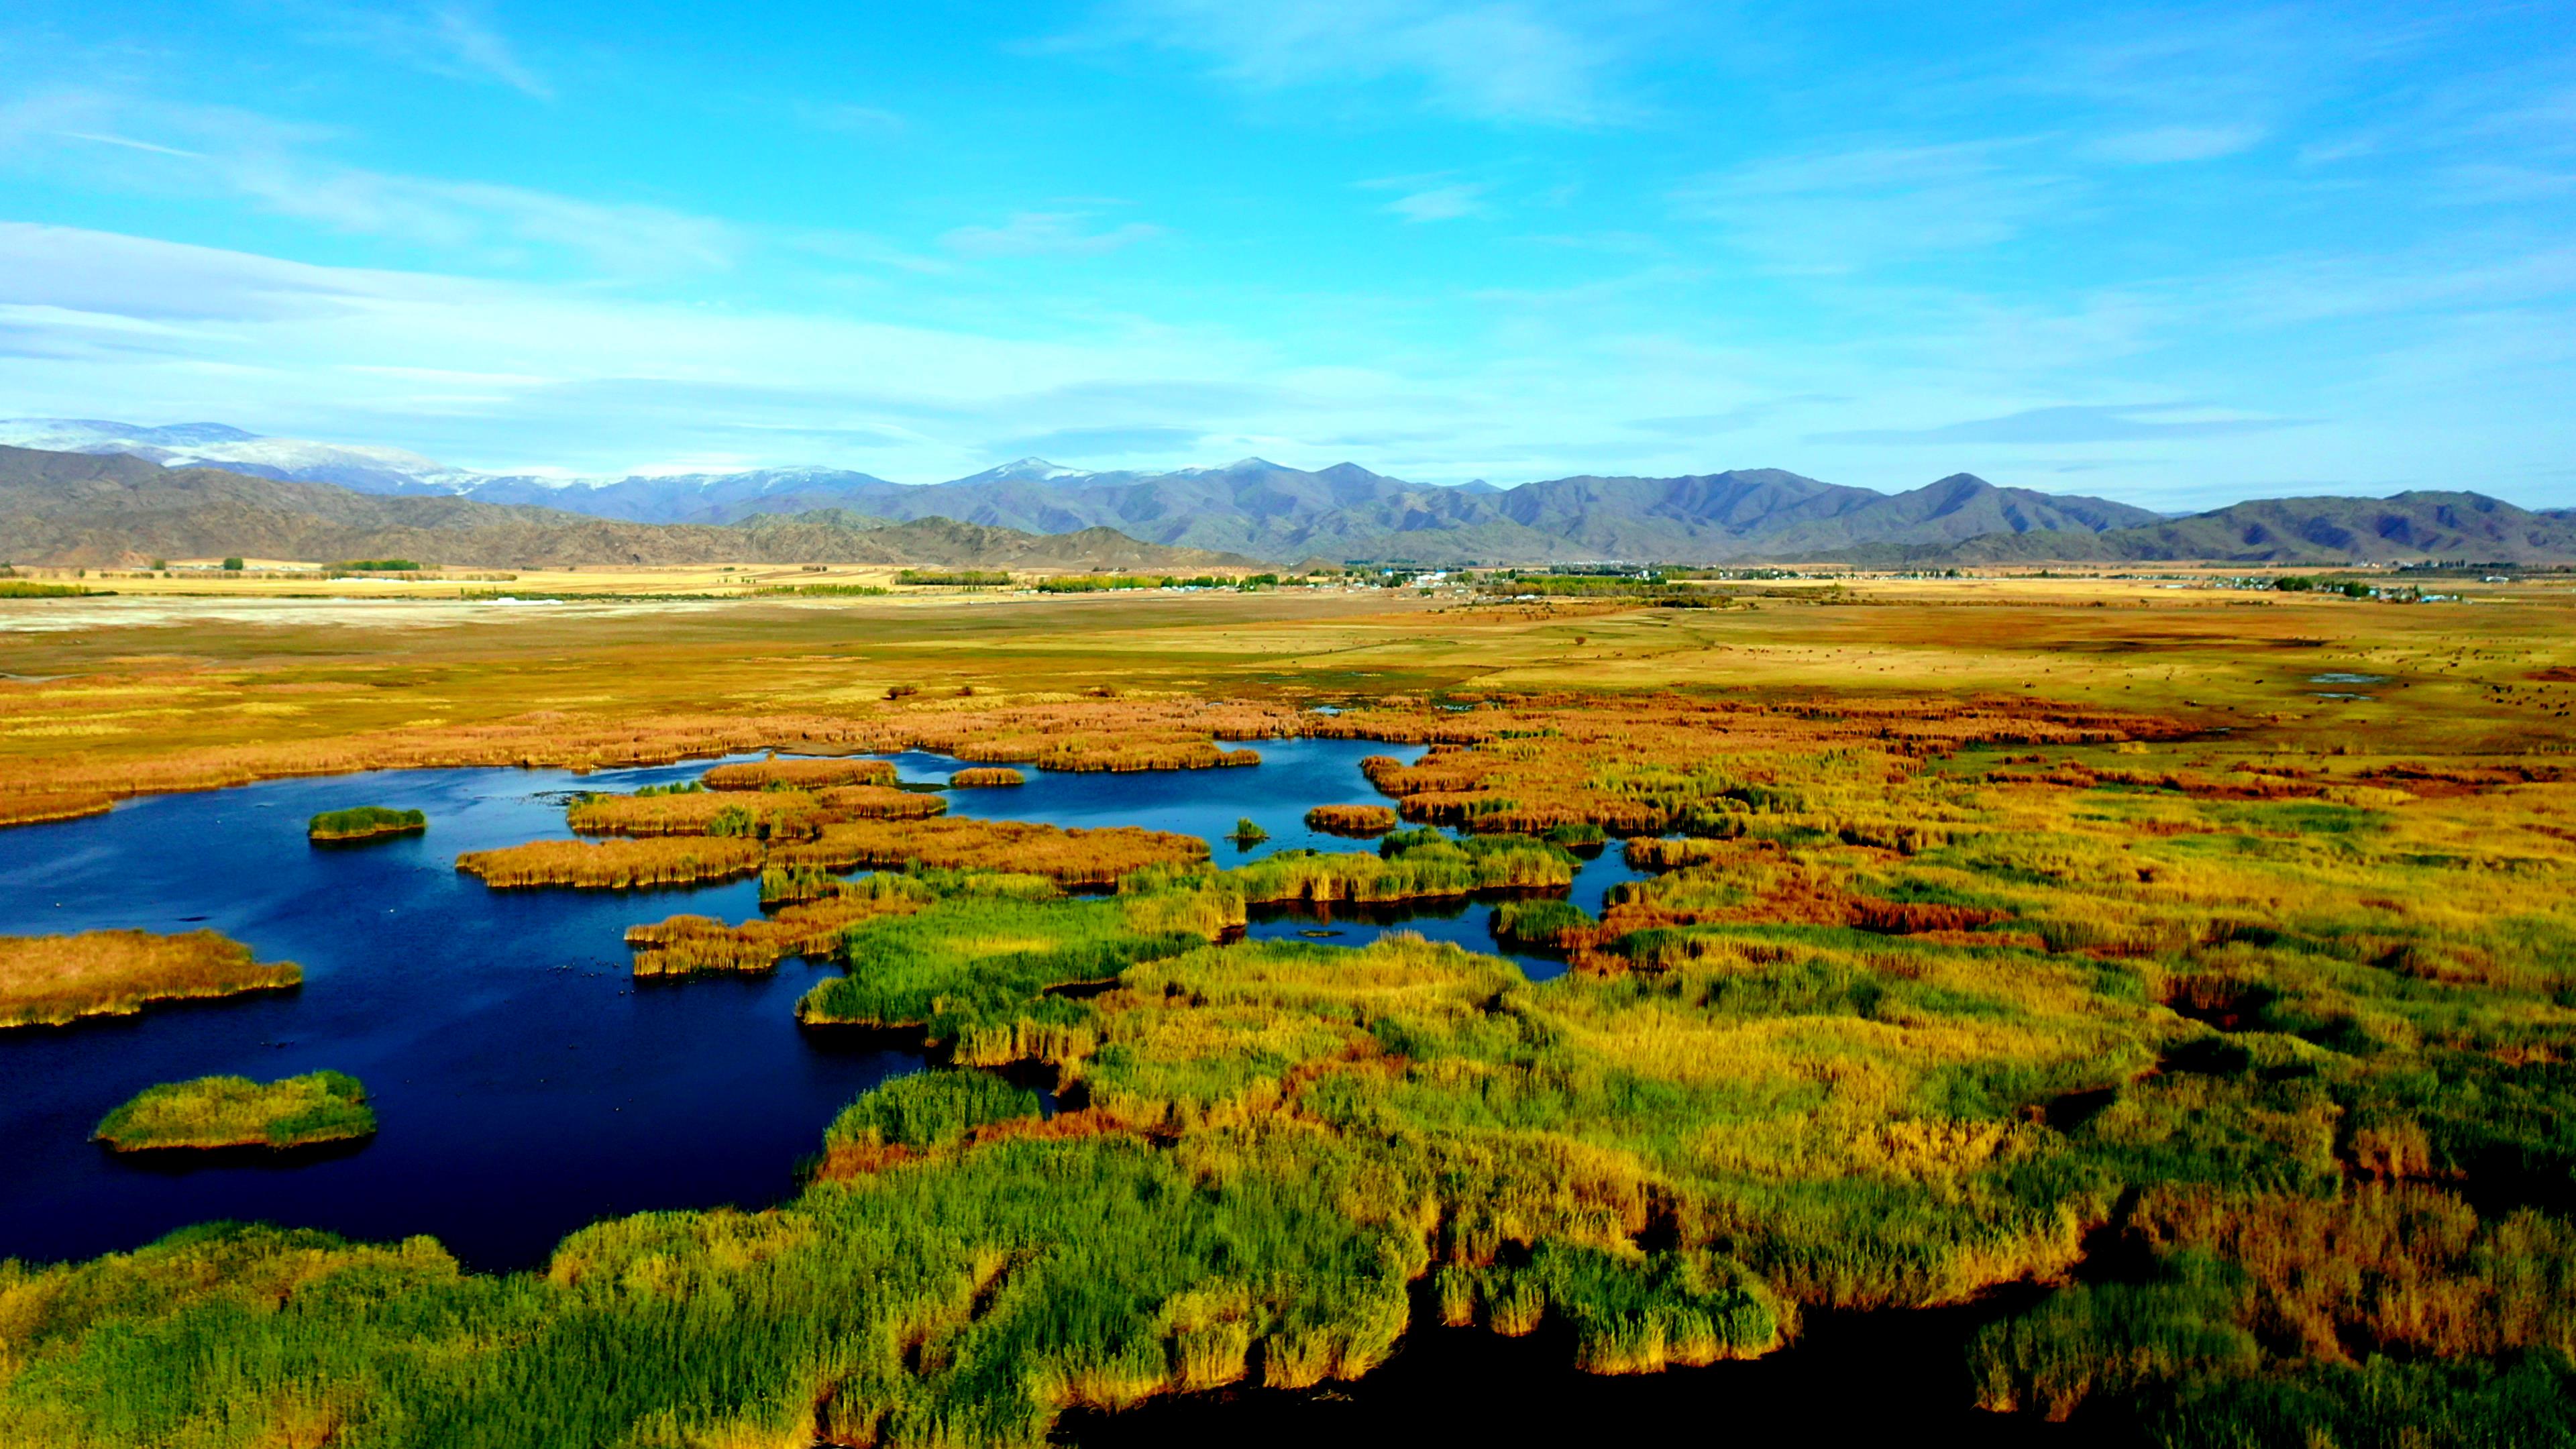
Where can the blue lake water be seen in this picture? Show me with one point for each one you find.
(525, 1085)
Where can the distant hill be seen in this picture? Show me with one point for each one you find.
(1268, 511)
(100, 510)
(2299, 531)
(1252, 506)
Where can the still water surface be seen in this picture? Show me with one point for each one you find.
(525, 1085)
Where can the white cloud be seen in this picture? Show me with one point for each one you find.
(1044, 233)
(1839, 210)
(452, 39)
(167, 148)
(2161, 144)
(1441, 203)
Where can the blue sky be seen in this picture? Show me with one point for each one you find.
(2176, 256)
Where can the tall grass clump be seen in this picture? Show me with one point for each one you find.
(364, 822)
(687, 945)
(613, 864)
(972, 972)
(778, 773)
(766, 815)
(919, 1113)
(1360, 820)
(1431, 870)
(213, 1112)
(881, 802)
(50, 980)
(1072, 857)
(982, 777)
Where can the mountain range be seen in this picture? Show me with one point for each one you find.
(107, 509)
(1281, 514)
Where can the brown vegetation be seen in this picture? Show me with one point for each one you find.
(49, 980)
(881, 802)
(684, 945)
(1070, 857)
(981, 777)
(768, 814)
(798, 774)
(613, 864)
(1361, 820)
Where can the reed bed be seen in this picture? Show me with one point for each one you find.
(971, 972)
(1426, 872)
(1071, 857)
(52, 980)
(613, 864)
(985, 777)
(766, 815)
(776, 774)
(37, 807)
(220, 1112)
(880, 802)
(365, 822)
(689, 945)
(1353, 820)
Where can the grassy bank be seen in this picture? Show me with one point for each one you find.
(217, 1112)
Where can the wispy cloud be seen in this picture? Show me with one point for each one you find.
(1488, 61)
(197, 150)
(1837, 210)
(1441, 203)
(1045, 233)
(454, 39)
(2077, 423)
(2158, 145)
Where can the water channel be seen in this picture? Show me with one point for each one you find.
(524, 1082)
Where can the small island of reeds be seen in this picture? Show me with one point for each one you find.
(218, 1112)
(364, 822)
(783, 774)
(613, 864)
(50, 980)
(1075, 857)
(982, 777)
(1352, 819)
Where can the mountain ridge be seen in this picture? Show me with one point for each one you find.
(1345, 512)
(101, 510)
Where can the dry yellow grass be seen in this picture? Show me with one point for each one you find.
(686, 945)
(1069, 857)
(1352, 819)
(881, 802)
(613, 864)
(798, 774)
(768, 813)
(50, 980)
(981, 777)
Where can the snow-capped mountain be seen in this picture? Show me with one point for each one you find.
(1029, 470)
(214, 445)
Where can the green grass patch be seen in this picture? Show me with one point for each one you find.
(365, 822)
(211, 1112)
